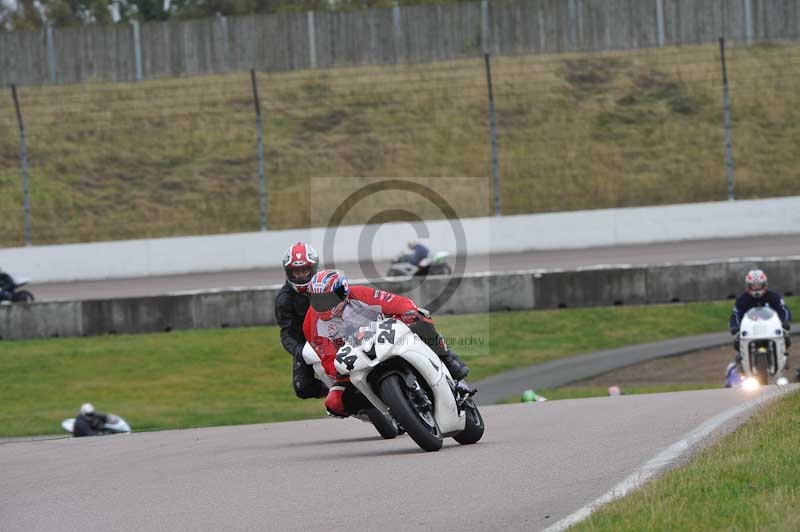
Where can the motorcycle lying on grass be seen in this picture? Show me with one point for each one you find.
(385, 425)
(9, 289)
(436, 265)
(114, 425)
(403, 378)
(762, 344)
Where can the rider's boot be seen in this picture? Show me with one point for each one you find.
(458, 370)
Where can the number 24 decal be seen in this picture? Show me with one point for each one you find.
(344, 357)
(386, 335)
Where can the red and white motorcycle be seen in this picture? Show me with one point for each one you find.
(403, 378)
(385, 425)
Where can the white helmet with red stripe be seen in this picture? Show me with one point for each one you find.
(755, 282)
(300, 262)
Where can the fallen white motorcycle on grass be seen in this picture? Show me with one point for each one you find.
(403, 378)
(762, 347)
(114, 425)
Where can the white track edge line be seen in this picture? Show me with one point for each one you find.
(664, 459)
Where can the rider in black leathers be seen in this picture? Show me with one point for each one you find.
(89, 422)
(300, 262)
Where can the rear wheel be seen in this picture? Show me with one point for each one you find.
(474, 427)
(413, 410)
(23, 296)
(385, 425)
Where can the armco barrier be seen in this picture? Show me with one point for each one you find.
(475, 293)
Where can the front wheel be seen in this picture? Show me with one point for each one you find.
(762, 368)
(413, 410)
(474, 427)
(385, 425)
(23, 296)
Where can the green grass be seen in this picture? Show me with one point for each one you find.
(234, 376)
(576, 131)
(747, 482)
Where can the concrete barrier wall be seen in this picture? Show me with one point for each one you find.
(474, 294)
(564, 230)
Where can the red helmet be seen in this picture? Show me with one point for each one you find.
(328, 293)
(755, 282)
(300, 262)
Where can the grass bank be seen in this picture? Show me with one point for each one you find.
(748, 481)
(235, 376)
(575, 131)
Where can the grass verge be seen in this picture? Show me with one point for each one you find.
(575, 131)
(748, 481)
(235, 376)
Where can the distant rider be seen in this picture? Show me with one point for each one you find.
(757, 295)
(338, 309)
(300, 263)
(418, 252)
(6, 286)
(88, 422)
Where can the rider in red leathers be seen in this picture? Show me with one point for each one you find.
(338, 309)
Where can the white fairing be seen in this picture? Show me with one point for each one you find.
(395, 339)
(312, 359)
(762, 327)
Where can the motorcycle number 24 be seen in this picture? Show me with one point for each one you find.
(386, 335)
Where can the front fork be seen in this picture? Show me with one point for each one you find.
(463, 391)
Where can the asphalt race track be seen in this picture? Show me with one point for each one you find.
(537, 464)
(718, 249)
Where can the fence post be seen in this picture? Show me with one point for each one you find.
(726, 111)
(137, 49)
(660, 21)
(748, 21)
(485, 26)
(223, 23)
(26, 202)
(312, 39)
(493, 136)
(51, 54)
(262, 180)
(397, 32)
(572, 24)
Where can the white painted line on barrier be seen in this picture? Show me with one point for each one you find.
(665, 458)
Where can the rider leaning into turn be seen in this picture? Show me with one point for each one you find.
(338, 309)
(300, 262)
(757, 295)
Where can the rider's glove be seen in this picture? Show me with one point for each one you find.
(734, 330)
(410, 316)
(786, 326)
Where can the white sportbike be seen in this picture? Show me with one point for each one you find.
(762, 345)
(403, 378)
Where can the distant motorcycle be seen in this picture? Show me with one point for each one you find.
(115, 425)
(762, 345)
(9, 289)
(403, 267)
